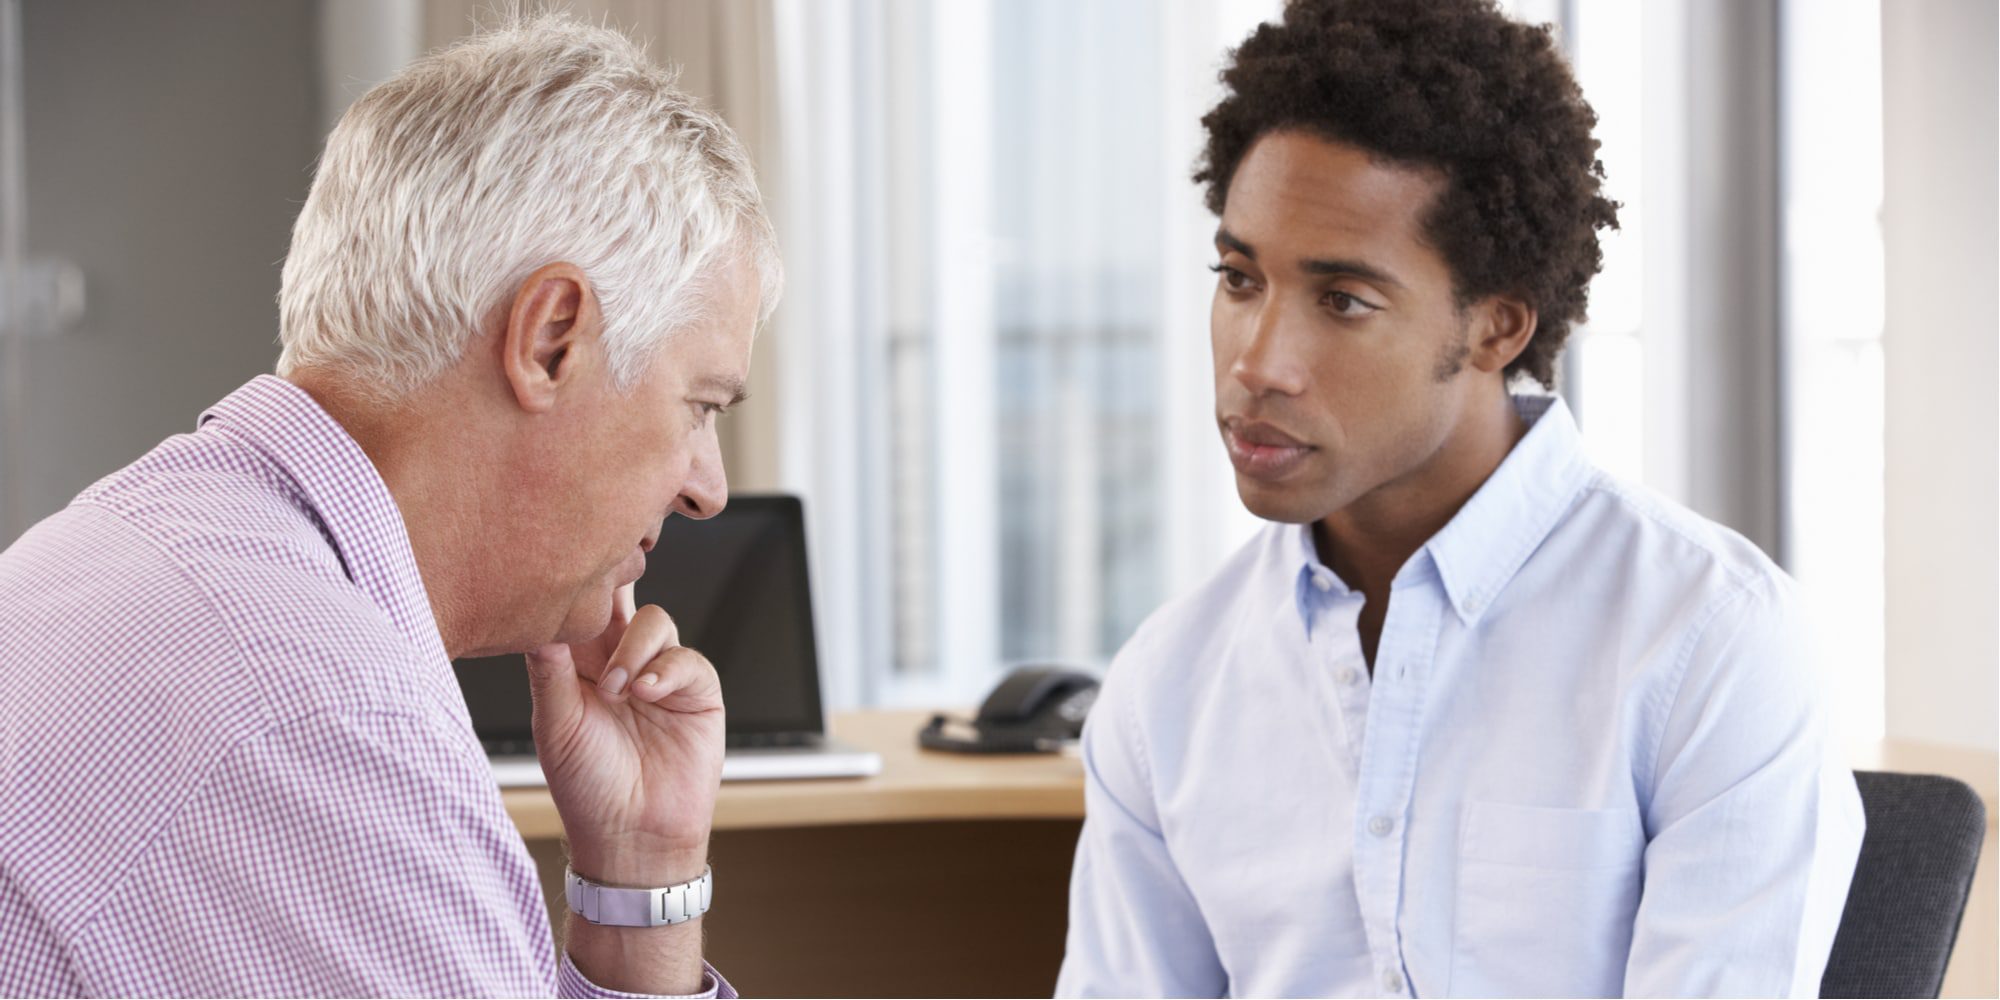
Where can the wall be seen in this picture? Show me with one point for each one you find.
(168, 149)
(1941, 352)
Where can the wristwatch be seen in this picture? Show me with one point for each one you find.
(620, 907)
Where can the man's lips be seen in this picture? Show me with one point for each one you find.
(1262, 451)
(633, 566)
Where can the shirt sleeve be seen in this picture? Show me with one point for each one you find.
(1754, 822)
(359, 854)
(572, 983)
(1134, 928)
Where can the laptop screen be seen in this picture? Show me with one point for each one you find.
(737, 588)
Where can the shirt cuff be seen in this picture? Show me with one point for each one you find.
(571, 983)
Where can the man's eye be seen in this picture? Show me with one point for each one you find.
(1233, 279)
(1347, 305)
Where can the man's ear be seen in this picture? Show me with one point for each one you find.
(1502, 327)
(551, 335)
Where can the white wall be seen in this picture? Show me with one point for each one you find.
(1941, 349)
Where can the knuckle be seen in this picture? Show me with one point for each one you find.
(681, 663)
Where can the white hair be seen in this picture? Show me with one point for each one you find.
(538, 141)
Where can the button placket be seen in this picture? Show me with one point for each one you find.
(1396, 709)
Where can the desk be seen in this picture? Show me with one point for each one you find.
(948, 875)
(945, 875)
(915, 786)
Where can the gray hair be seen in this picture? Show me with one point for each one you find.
(538, 141)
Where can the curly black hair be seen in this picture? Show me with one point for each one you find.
(1452, 85)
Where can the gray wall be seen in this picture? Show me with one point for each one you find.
(168, 149)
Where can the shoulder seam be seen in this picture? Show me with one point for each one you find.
(1603, 483)
(195, 583)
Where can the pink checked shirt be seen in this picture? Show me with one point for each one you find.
(233, 758)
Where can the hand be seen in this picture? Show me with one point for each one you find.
(628, 727)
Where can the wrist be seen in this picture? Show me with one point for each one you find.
(639, 868)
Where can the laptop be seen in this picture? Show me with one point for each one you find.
(737, 588)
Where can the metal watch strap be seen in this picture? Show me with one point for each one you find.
(619, 907)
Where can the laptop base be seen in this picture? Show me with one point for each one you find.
(824, 759)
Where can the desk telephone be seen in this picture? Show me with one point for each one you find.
(1034, 710)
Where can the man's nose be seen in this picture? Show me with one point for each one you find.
(1267, 362)
(706, 489)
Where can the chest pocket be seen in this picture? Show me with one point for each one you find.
(1546, 899)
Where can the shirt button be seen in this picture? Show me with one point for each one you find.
(1323, 582)
(1392, 981)
(1347, 675)
(1381, 826)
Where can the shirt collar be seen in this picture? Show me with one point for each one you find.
(1489, 539)
(344, 492)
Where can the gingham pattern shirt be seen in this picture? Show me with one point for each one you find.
(233, 757)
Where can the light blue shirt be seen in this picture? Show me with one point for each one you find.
(1592, 760)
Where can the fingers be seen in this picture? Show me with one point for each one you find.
(679, 679)
(553, 683)
(623, 611)
(651, 632)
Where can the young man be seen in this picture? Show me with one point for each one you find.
(1471, 717)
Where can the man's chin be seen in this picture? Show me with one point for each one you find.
(587, 621)
(1286, 504)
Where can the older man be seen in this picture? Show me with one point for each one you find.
(232, 756)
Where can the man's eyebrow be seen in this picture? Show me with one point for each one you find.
(733, 386)
(1228, 240)
(1350, 268)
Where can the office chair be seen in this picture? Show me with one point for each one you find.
(1910, 886)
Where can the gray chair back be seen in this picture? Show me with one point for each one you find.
(1910, 886)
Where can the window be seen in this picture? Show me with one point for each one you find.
(1604, 371)
(1030, 334)
(1002, 380)
(1833, 277)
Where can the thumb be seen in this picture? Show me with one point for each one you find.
(552, 681)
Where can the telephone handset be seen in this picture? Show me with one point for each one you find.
(1034, 710)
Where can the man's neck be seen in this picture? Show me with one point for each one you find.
(419, 461)
(1368, 541)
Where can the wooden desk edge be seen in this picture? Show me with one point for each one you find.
(534, 813)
